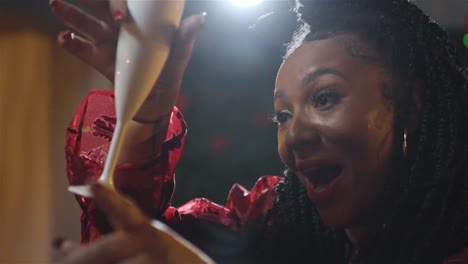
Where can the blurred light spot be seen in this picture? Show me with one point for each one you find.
(246, 3)
(218, 143)
(465, 40)
(127, 61)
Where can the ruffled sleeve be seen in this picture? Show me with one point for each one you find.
(150, 183)
(242, 207)
(228, 233)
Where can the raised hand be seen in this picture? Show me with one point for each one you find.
(135, 239)
(93, 35)
(93, 39)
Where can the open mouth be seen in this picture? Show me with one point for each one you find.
(321, 177)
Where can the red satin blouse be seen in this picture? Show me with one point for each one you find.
(151, 183)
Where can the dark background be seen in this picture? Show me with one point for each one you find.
(227, 91)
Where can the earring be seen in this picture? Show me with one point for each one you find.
(405, 142)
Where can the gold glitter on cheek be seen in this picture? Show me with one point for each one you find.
(380, 119)
(379, 132)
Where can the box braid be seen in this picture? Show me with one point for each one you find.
(422, 214)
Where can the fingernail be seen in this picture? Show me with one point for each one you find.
(66, 35)
(57, 242)
(118, 16)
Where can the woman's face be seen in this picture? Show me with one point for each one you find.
(335, 126)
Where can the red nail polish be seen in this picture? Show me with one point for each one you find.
(117, 16)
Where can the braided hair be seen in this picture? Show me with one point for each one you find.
(423, 216)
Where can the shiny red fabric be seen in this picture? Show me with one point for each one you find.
(151, 183)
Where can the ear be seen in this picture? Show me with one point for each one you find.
(416, 105)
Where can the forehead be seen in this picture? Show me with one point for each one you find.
(343, 53)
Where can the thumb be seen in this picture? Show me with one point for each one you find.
(120, 211)
(181, 51)
(185, 37)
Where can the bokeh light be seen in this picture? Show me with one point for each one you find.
(465, 40)
(245, 3)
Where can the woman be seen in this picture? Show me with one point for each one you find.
(371, 110)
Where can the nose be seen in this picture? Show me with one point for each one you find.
(303, 134)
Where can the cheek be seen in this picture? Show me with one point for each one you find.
(365, 134)
(370, 156)
(363, 141)
(364, 144)
(380, 122)
(380, 135)
(283, 151)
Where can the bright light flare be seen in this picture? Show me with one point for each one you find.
(245, 3)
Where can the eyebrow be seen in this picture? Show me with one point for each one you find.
(278, 94)
(312, 76)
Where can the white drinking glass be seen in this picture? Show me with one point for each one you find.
(143, 47)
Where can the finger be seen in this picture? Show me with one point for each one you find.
(139, 259)
(64, 246)
(99, 8)
(121, 212)
(81, 21)
(181, 50)
(94, 4)
(119, 10)
(68, 246)
(86, 51)
(108, 249)
(186, 36)
(76, 45)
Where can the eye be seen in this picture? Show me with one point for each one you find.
(326, 98)
(281, 117)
